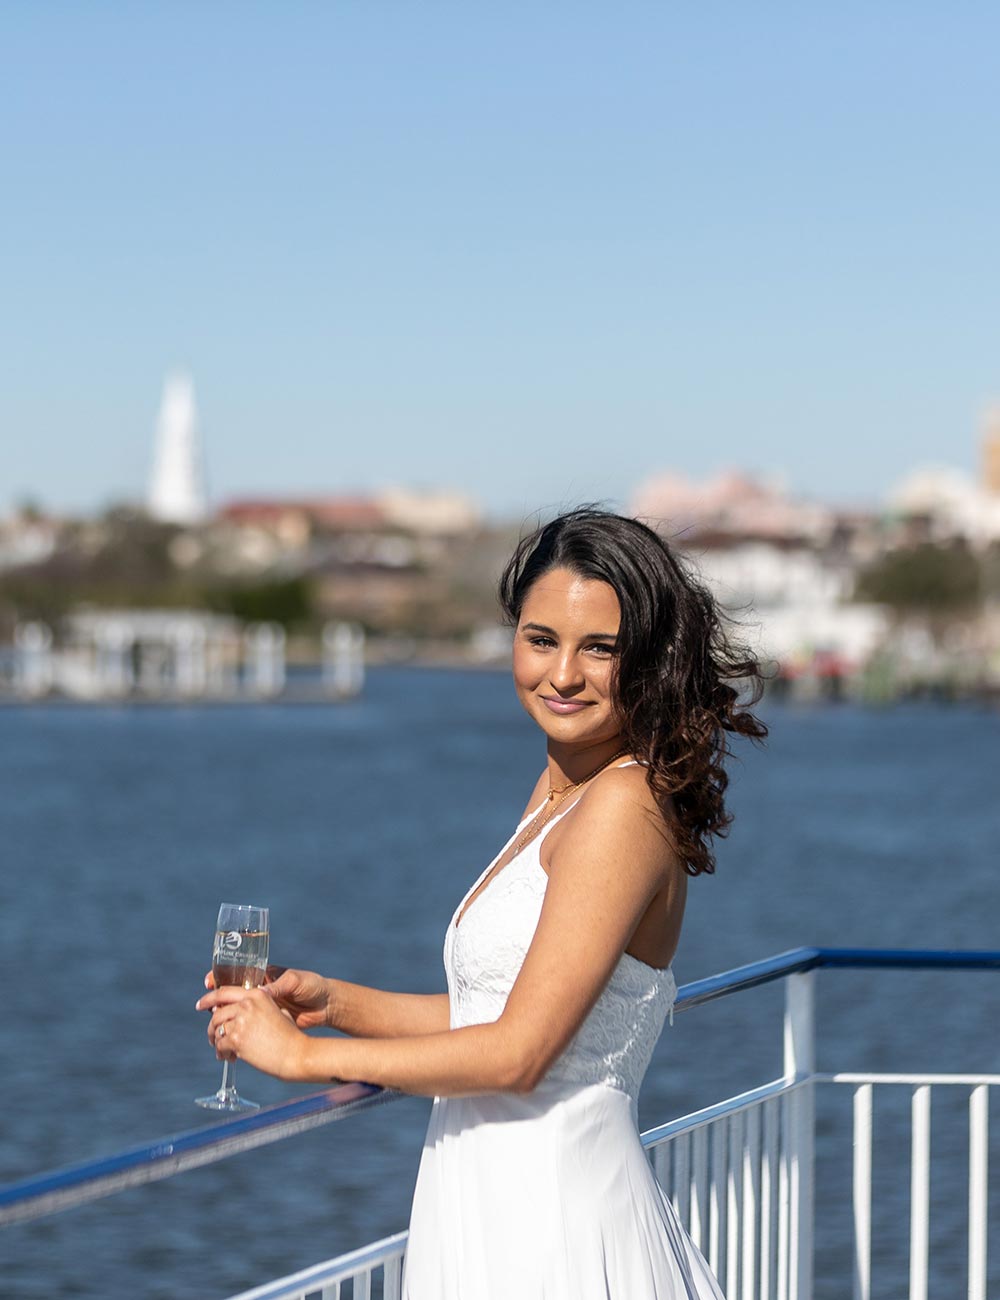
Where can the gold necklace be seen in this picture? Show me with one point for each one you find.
(553, 799)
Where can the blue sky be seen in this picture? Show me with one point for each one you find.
(534, 251)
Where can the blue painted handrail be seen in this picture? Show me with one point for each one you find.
(799, 960)
(43, 1194)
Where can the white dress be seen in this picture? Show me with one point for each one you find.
(547, 1195)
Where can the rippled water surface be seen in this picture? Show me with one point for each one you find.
(361, 825)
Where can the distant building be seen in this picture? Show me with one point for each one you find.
(177, 489)
(793, 601)
(296, 533)
(784, 568)
(730, 503)
(358, 520)
(295, 519)
(939, 503)
(947, 504)
(434, 513)
(26, 538)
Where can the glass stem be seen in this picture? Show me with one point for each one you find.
(228, 1077)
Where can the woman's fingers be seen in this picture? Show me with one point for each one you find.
(223, 997)
(254, 1029)
(259, 1025)
(283, 985)
(220, 1029)
(275, 973)
(225, 1029)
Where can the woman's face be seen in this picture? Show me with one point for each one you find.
(565, 648)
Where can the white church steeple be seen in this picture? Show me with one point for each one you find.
(177, 490)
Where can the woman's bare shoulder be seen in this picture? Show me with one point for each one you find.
(619, 803)
(625, 792)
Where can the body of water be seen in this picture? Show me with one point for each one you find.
(361, 825)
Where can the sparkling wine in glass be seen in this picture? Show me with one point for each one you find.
(239, 956)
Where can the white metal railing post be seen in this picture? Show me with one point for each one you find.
(734, 1203)
(699, 1190)
(751, 1205)
(863, 1192)
(768, 1172)
(800, 1063)
(979, 1143)
(661, 1166)
(717, 1198)
(784, 1197)
(682, 1177)
(392, 1279)
(920, 1176)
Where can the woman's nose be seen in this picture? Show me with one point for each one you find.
(565, 673)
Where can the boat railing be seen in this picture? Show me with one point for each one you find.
(740, 1173)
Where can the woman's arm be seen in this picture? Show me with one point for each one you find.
(612, 858)
(364, 1012)
(313, 1001)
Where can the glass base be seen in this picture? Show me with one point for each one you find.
(226, 1099)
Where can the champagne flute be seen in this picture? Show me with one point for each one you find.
(239, 957)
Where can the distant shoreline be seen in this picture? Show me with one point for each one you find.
(304, 689)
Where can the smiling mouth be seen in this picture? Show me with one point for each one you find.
(557, 705)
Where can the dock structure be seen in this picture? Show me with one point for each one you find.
(173, 655)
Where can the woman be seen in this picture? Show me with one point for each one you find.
(533, 1182)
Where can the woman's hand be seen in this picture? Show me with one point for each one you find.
(248, 1024)
(302, 995)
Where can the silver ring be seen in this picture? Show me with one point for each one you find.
(221, 1032)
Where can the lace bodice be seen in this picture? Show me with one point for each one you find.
(484, 951)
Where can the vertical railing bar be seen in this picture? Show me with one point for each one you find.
(365, 1278)
(806, 1162)
(392, 1278)
(332, 1291)
(784, 1199)
(800, 1063)
(979, 1154)
(661, 1166)
(920, 1160)
(717, 1203)
(768, 1169)
(682, 1176)
(699, 1188)
(751, 1204)
(794, 1202)
(862, 1193)
(734, 1202)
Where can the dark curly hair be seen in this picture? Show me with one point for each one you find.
(678, 676)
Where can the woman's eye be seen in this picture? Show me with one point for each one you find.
(602, 648)
(541, 640)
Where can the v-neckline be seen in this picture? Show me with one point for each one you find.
(484, 882)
